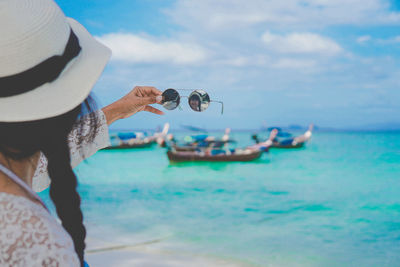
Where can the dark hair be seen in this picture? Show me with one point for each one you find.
(21, 140)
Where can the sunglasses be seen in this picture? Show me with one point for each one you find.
(198, 100)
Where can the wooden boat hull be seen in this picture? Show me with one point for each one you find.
(187, 148)
(184, 148)
(277, 145)
(180, 157)
(126, 146)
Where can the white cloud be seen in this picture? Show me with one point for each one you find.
(388, 41)
(138, 49)
(223, 14)
(392, 40)
(291, 63)
(301, 43)
(223, 45)
(363, 39)
(236, 61)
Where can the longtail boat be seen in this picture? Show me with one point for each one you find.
(194, 146)
(139, 144)
(289, 145)
(296, 142)
(184, 148)
(180, 156)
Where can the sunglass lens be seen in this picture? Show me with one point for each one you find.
(171, 99)
(199, 100)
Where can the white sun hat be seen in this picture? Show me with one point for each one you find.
(48, 63)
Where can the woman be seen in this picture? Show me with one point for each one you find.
(48, 66)
(195, 102)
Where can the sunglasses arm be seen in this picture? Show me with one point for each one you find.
(222, 104)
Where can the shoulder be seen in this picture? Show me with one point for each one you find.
(30, 236)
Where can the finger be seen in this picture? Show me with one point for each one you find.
(147, 100)
(159, 99)
(153, 110)
(136, 91)
(152, 90)
(139, 93)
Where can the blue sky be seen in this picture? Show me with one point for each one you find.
(331, 62)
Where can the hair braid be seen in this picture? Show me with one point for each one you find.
(21, 140)
(64, 195)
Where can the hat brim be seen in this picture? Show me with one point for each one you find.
(69, 90)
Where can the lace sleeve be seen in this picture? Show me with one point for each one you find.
(29, 236)
(79, 151)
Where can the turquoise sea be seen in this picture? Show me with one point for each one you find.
(334, 203)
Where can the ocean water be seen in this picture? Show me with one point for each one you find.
(334, 203)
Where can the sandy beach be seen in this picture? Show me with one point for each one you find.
(149, 254)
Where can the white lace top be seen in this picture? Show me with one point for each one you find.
(29, 235)
(79, 152)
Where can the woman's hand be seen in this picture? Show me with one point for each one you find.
(137, 100)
